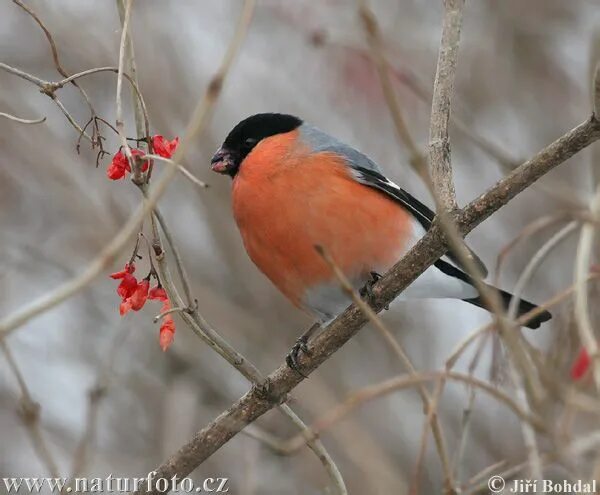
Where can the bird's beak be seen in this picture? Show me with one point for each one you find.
(222, 162)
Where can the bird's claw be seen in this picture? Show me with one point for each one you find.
(291, 359)
(264, 390)
(366, 292)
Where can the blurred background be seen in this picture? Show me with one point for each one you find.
(523, 80)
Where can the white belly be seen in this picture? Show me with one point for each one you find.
(328, 300)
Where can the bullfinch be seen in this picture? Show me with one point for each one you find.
(295, 187)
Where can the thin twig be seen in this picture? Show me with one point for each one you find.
(594, 66)
(317, 447)
(132, 69)
(23, 75)
(96, 395)
(534, 264)
(421, 91)
(30, 415)
(443, 87)
(400, 353)
(417, 159)
(22, 121)
(529, 438)
(184, 171)
(371, 392)
(170, 311)
(495, 152)
(431, 418)
(266, 438)
(119, 124)
(522, 320)
(59, 68)
(49, 88)
(596, 90)
(526, 232)
(582, 263)
(44, 88)
(467, 416)
(181, 271)
(583, 256)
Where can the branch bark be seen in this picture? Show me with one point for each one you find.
(596, 90)
(21, 120)
(280, 382)
(439, 140)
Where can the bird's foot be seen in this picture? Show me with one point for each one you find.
(291, 359)
(366, 292)
(264, 390)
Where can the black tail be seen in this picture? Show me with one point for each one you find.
(524, 307)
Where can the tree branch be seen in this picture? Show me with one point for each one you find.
(21, 120)
(59, 68)
(29, 412)
(596, 90)
(439, 141)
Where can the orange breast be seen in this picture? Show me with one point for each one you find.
(286, 200)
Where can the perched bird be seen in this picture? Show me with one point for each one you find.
(295, 187)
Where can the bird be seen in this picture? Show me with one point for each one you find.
(295, 187)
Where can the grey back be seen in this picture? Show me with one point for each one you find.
(320, 141)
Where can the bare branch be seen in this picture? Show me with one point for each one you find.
(372, 392)
(119, 124)
(22, 121)
(317, 447)
(55, 58)
(29, 413)
(23, 75)
(439, 140)
(417, 159)
(526, 232)
(534, 264)
(46, 88)
(582, 263)
(49, 89)
(522, 320)
(596, 90)
(139, 113)
(169, 311)
(184, 171)
(181, 271)
(594, 79)
(95, 396)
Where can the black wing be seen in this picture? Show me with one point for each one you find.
(421, 212)
(374, 179)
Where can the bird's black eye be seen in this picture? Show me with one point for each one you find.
(250, 143)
